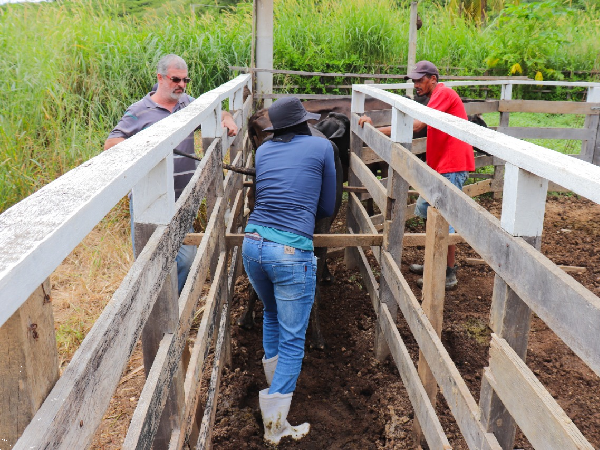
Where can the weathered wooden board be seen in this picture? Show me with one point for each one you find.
(193, 379)
(548, 133)
(302, 96)
(362, 219)
(481, 107)
(550, 107)
(416, 239)
(475, 189)
(367, 275)
(319, 240)
(538, 415)
(578, 176)
(76, 405)
(152, 399)
(424, 411)
(370, 181)
(575, 321)
(459, 399)
(28, 363)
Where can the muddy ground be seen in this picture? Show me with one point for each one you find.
(353, 401)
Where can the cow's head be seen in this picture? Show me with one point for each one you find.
(336, 127)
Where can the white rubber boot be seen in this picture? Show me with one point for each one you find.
(269, 365)
(274, 409)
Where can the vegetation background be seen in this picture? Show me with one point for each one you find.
(70, 68)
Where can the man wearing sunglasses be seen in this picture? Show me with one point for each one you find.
(168, 98)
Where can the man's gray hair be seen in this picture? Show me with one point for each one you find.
(170, 61)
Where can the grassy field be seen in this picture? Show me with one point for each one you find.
(65, 81)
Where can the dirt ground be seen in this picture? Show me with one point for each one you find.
(353, 401)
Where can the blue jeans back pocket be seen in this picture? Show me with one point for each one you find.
(290, 280)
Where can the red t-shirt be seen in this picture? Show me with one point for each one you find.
(445, 153)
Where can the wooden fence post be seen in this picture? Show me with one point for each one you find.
(28, 363)
(434, 291)
(412, 42)
(264, 48)
(356, 144)
(153, 205)
(523, 207)
(394, 221)
(590, 149)
(498, 179)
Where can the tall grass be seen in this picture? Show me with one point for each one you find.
(70, 69)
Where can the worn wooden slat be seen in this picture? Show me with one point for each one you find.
(548, 133)
(302, 96)
(233, 181)
(208, 420)
(152, 399)
(376, 140)
(73, 411)
(370, 181)
(482, 161)
(193, 379)
(319, 240)
(419, 239)
(538, 415)
(481, 107)
(424, 411)
(28, 363)
(475, 189)
(575, 322)
(550, 107)
(367, 275)
(363, 221)
(455, 391)
(434, 290)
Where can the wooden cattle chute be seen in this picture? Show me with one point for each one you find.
(39, 232)
(526, 281)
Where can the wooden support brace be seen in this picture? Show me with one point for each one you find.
(434, 289)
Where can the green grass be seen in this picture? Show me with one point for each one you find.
(70, 68)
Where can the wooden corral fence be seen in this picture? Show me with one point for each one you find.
(39, 232)
(526, 281)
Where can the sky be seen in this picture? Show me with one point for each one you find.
(2, 2)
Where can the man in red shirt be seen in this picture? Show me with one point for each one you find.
(447, 155)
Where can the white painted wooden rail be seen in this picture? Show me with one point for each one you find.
(37, 233)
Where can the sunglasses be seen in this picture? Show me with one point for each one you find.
(186, 80)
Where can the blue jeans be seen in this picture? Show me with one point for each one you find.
(284, 279)
(185, 255)
(457, 179)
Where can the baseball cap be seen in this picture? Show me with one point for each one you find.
(421, 69)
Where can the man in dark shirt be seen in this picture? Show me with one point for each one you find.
(169, 97)
(295, 185)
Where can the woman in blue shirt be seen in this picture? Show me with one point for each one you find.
(295, 185)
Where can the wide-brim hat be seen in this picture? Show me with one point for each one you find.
(288, 112)
(421, 69)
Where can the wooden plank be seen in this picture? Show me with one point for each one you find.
(419, 146)
(548, 107)
(434, 290)
(193, 379)
(568, 269)
(576, 175)
(455, 391)
(144, 422)
(70, 418)
(419, 239)
(370, 181)
(319, 240)
(538, 415)
(232, 182)
(380, 117)
(575, 321)
(548, 133)
(482, 161)
(208, 420)
(424, 411)
(362, 220)
(302, 96)
(481, 107)
(369, 156)
(377, 141)
(479, 188)
(28, 363)
(367, 275)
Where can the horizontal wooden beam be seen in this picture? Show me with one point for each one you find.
(568, 269)
(319, 240)
(377, 191)
(481, 107)
(538, 415)
(550, 107)
(302, 96)
(548, 133)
